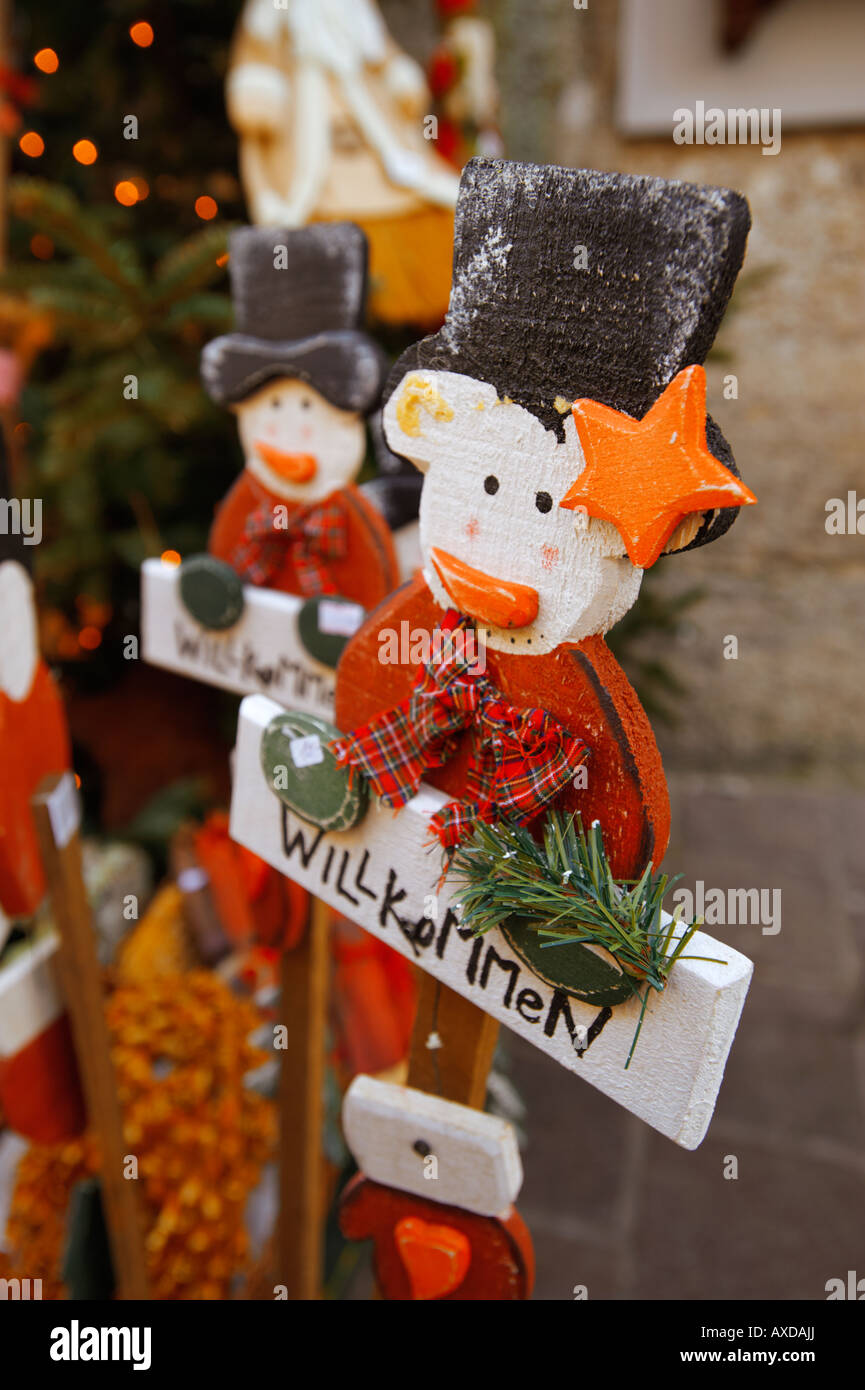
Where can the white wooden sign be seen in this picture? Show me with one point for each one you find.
(384, 875)
(262, 652)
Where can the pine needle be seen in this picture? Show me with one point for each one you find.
(563, 889)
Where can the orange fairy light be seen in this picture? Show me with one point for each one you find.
(141, 186)
(85, 152)
(206, 207)
(223, 259)
(77, 781)
(46, 60)
(141, 33)
(126, 193)
(32, 144)
(170, 557)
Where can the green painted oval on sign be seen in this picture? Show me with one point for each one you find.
(325, 624)
(589, 974)
(300, 769)
(211, 591)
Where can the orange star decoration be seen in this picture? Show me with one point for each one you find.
(645, 476)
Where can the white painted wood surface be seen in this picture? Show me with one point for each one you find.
(262, 652)
(477, 1160)
(30, 998)
(465, 440)
(384, 875)
(19, 651)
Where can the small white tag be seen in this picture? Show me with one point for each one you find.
(64, 810)
(339, 619)
(306, 751)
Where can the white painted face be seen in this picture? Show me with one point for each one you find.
(19, 643)
(490, 502)
(298, 445)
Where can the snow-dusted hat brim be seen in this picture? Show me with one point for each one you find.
(346, 366)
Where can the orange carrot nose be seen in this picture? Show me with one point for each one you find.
(436, 1258)
(498, 602)
(295, 468)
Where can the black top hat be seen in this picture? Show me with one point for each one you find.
(298, 302)
(660, 262)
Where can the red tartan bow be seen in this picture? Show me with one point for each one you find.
(319, 532)
(520, 760)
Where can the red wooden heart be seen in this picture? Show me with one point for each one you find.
(436, 1258)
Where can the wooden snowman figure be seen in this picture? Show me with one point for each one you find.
(33, 736)
(297, 553)
(300, 375)
(40, 1092)
(559, 419)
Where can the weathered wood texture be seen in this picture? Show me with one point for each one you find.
(303, 1013)
(56, 814)
(452, 1045)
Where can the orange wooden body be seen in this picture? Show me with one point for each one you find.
(33, 743)
(501, 1267)
(583, 687)
(254, 902)
(366, 573)
(373, 999)
(40, 1088)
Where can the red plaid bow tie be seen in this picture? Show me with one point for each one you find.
(316, 534)
(520, 760)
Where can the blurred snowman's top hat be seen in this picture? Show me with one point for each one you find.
(299, 299)
(570, 283)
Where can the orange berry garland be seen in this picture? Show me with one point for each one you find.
(181, 1050)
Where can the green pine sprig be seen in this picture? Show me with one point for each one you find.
(565, 890)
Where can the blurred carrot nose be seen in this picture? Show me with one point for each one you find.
(295, 468)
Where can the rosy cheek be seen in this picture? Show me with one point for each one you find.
(549, 556)
(472, 528)
(306, 432)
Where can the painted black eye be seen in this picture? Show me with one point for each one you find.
(543, 501)
(306, 403)
(491, 485)
(276, 403)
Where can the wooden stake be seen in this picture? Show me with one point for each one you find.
(305, 972)
(57, 815)
(456, 1068)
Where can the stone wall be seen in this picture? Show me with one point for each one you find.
(792, 594)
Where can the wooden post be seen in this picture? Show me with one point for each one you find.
(300, 1234)
(463, 1040)
(57, 815)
